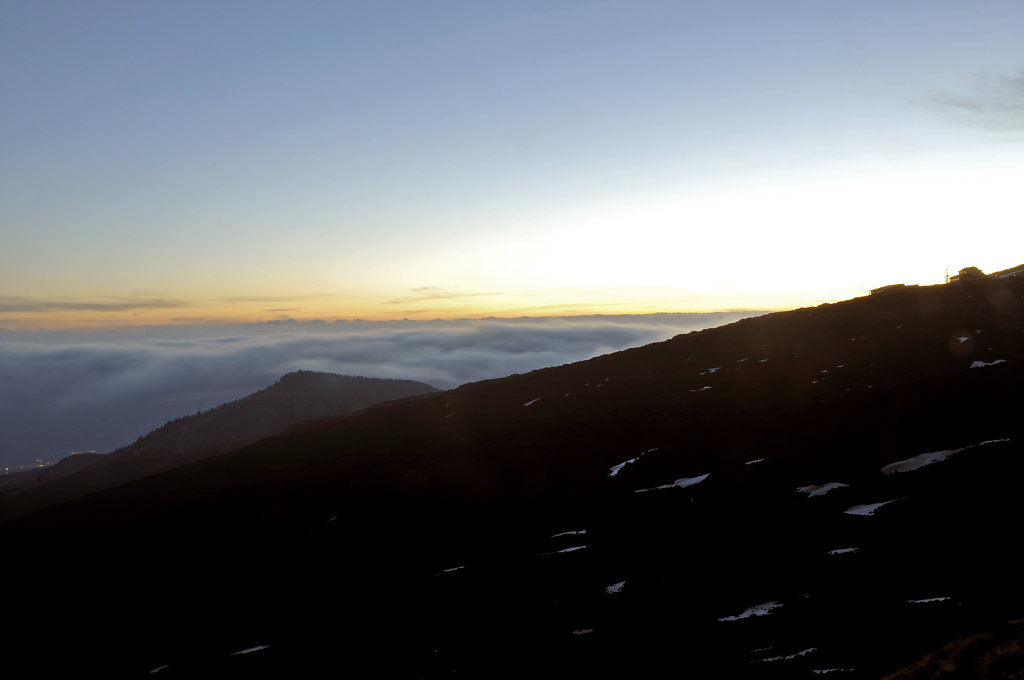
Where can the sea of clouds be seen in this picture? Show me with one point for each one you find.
(99, 390)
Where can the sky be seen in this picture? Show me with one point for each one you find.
(241, 162)
(197, 197)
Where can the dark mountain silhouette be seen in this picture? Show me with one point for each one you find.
(298, 396)
(827, 490)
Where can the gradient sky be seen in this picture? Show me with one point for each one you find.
(171, 162)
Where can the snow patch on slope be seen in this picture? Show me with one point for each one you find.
(678, 484)
(921, 460)
(616, 468)
(757, 610)
(867, 509)
(820, 489)
(788, 657)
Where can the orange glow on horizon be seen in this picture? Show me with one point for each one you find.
(94, 315)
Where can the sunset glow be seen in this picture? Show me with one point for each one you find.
(174, 164)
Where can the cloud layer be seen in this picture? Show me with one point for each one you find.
(61, 392)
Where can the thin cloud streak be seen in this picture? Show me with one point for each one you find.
(32, 305)
(995, 103)
(426, 293)
(64, 391)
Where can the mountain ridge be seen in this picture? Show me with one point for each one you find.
(438, 524)
(296, 396)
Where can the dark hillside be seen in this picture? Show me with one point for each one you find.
(830, 489)
(298, 396)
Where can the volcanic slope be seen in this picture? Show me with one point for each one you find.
(831, 490)
(297, 396)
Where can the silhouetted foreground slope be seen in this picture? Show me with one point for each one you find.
(831, 489)
(296, 397)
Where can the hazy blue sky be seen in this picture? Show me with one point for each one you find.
(164, 161)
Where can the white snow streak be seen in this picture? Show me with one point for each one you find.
(916, 462)
(451, 569)
(979, 364)
(616, 468)
(615, 587)
(564, 550)
(919, 461)
(842, 551)
(868, 509)
(678, 484)
(820, 489)
(788, 657)
(758, 610)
